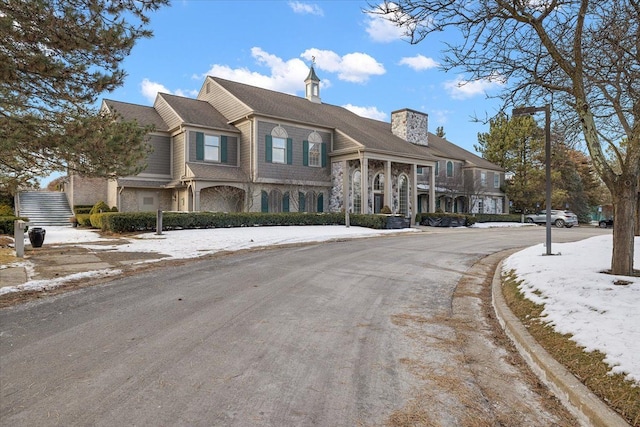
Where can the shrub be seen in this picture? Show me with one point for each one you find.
(95, 214)
(6, 210)
(119, 222)
(7, 223)
(84, 219)
(385, 210)
(497, 217)
(444, 218)
(82, 209)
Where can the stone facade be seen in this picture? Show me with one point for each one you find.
(411, 126)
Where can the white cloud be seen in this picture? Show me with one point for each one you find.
(283, 76)
(419, 62)
(288, 76)
(305, 8)
(369, 112)
(150, 89)
(460, 88)
(382, 30)
(354, 67)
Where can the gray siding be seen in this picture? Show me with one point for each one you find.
(232, 149)
(168, 115)
(222, 101)
(159, 161)
(342, 142)
(245, 147)
(178, 156)
(295, 171)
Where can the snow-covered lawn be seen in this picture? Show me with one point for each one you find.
(580, 300)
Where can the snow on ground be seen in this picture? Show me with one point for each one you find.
(580, 300)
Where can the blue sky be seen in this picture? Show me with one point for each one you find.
(363, 62)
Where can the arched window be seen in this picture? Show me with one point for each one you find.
(378, 193)
(278, 146)
(356, 192)
(378, 182)
(449, 168)
(403, 195)
(312, 150)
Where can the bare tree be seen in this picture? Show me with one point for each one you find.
(581, 56)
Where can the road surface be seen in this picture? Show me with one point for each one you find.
(370, 332)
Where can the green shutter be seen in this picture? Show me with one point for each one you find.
(289, 151)
(320, 203)
(264, 202)
(285, 202)
(268, 149)
(301, 202)
(305, 153)
(223, 149)
(199, 146)
(323, 154)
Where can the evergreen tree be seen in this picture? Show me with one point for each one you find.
(517, 145)
(57, 57)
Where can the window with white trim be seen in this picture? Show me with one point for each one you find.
(449, 169)
(211, 148)
(279, 150)
(356, 191)
(483, 179)
(403, 195)
(496, 180)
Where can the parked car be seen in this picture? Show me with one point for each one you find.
(558, 218)
(605, 223)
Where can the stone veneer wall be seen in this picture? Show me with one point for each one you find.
(337, 178)
(411, 126)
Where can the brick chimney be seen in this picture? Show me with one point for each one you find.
(410, 125)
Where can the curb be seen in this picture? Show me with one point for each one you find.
(575, 396)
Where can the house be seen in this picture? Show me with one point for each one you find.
(238, 147)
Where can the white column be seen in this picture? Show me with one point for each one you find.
(432, 189)
(346, 178)
(414, 193)
(364, 184)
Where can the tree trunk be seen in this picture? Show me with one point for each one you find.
(625, 199)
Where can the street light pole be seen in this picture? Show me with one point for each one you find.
(528, 111)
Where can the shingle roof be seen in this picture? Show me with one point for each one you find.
(372, 134)
(142, 114)
(443, 148)
(197, 112)
(204, 171)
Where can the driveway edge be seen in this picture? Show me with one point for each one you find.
(575, 396)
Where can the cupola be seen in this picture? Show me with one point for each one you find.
(312, 86)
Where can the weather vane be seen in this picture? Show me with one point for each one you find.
(313, 60)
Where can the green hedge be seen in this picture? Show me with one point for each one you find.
(119, 222)
(497, 217)
(465, 219)
(82, 209)
(7, 224)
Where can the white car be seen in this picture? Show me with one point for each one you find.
(558, 218)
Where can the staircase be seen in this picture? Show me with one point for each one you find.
(45, 208)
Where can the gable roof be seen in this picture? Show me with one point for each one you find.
(371, 134)
(443, 148)
(142, 114)
(196, 112)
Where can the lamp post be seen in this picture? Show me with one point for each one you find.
(528, 111)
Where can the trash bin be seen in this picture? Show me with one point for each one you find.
(36, 236)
